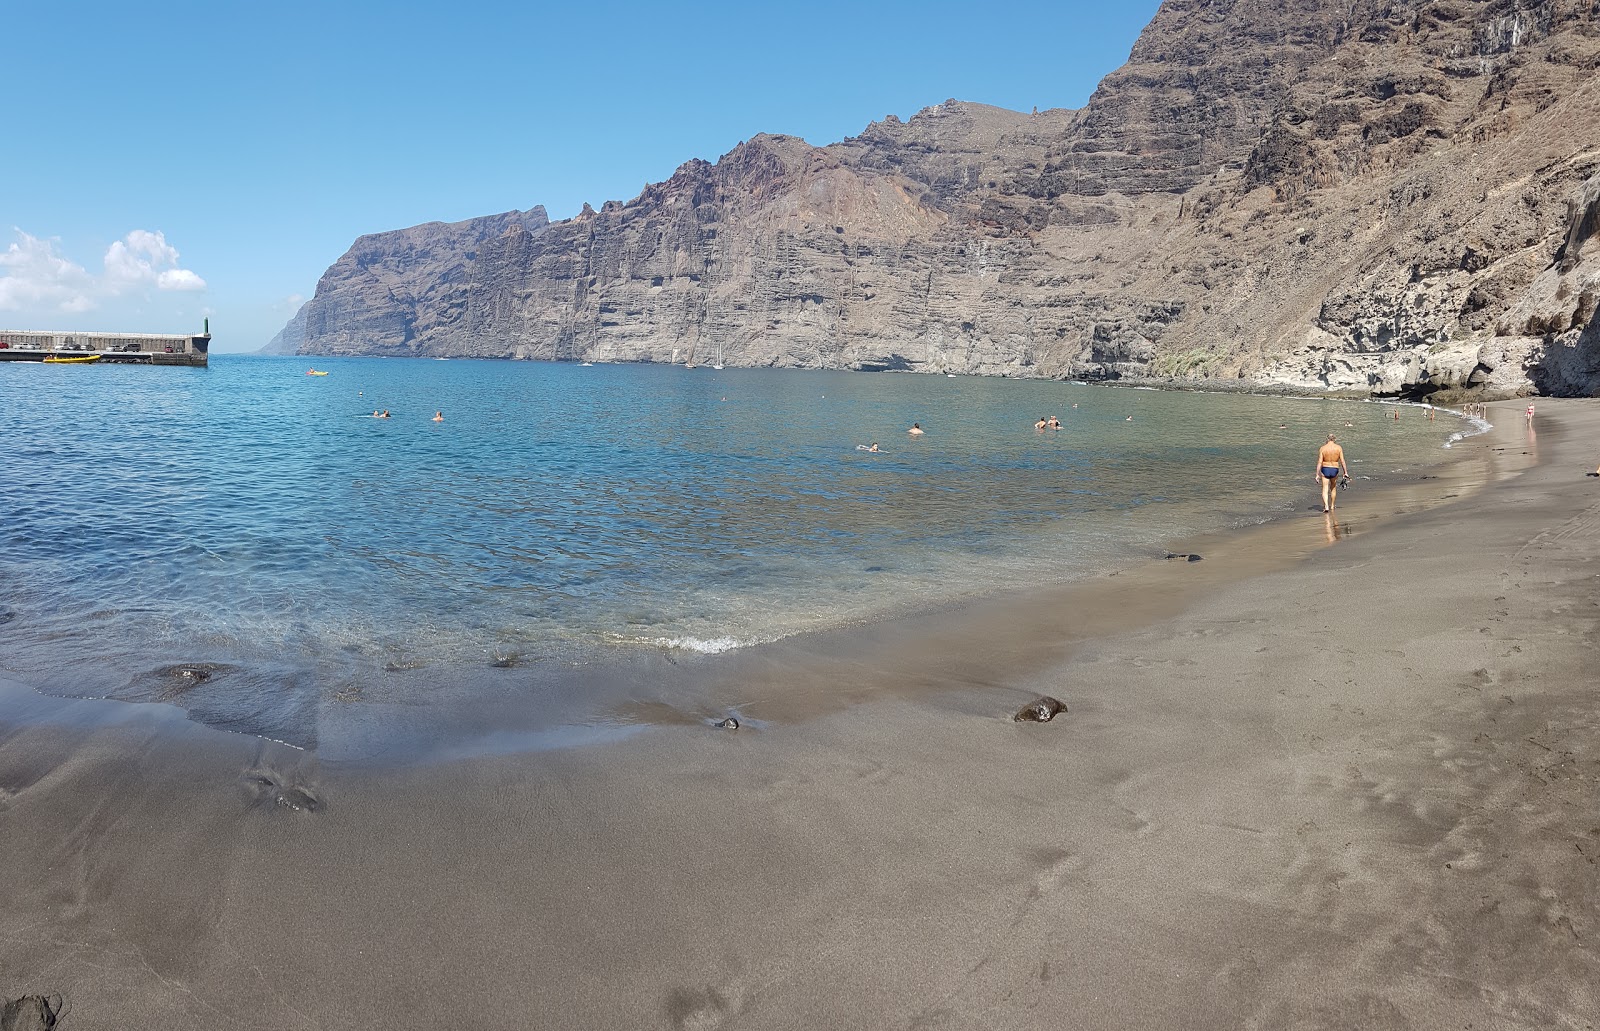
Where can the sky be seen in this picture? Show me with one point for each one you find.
(170, 163)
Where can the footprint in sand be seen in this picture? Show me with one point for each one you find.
(30, 1013)
(701, 1009)
(1143, 825)
(1056, 869)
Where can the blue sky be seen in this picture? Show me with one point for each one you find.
(169, 162)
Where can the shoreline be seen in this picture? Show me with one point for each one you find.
(1346, 785)
(587, 693)
(1003, 635)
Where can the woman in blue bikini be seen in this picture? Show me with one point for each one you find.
(1330, 466)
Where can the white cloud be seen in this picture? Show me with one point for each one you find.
(35, 277)
(179, 279)
(143, 259)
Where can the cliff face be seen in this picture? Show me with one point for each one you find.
(1385, 196)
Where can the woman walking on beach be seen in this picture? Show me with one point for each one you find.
(1330, 466)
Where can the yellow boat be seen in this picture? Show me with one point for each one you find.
(314, 372)
(63, 360)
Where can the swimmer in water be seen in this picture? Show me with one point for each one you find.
(438, 417)
(1042, 423)
(1055, 423)
(916, 429)
(874, 446)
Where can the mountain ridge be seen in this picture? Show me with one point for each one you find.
(1364, 197)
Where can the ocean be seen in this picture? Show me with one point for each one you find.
(249, 542)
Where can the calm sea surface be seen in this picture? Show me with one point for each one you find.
(257, 519)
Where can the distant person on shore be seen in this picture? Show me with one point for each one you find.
(438, 416)
(1330, 466)
(1530, 415)
(916, 429)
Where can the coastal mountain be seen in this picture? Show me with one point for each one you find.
(1391, 197)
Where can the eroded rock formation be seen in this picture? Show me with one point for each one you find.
(1389, 197)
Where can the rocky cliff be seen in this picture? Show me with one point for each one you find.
(1375, 196)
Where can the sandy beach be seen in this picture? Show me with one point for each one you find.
(1333, 776)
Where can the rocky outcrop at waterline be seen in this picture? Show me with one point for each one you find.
(1372, 197)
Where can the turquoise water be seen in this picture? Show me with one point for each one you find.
(257, 519)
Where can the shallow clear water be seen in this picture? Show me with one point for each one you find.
(260, 519)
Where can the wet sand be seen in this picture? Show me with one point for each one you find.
(1302, 784)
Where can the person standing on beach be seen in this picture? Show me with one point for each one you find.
(1330, 466)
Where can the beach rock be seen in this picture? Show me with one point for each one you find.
(271, 790)
(1042, 710)
(731, 723)
(1296, 195)
(30, 1013)
(172, 682)
(1187, 557)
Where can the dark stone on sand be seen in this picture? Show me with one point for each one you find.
(1183, 555)
(1043, 710)
(298, 799)
(728, 724)
(270, 791)
(30, 1013)
(174, 681)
